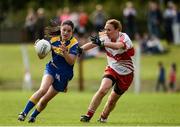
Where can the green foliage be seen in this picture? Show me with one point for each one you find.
(66, 109)
(112, 7)
(15, 11)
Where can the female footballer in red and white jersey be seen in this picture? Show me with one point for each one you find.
(58, 72)
(119, 71)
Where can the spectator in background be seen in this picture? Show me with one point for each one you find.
(161, 81)
(151, 45)
(129, 14)
(65, 14)
(170, 15)
(154, 46)
(58, 15)
(2, 17)
(178, 16)
(154, 19)
(176, 27)
(29, 25)
(74, 16)
(83, 21)
(143, 42)
(172, 78)
(99, 18)
(40, 24)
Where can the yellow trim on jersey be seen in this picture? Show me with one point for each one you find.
(54, 39)
(73, 41)
(58, 50)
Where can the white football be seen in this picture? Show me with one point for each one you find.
(42, 48)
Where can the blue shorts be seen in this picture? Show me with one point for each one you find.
(60, 79)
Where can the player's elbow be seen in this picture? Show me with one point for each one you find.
(71, 61)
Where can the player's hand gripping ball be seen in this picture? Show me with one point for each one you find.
(42, 48)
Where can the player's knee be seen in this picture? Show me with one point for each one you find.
(102, 92)
(42, 103)
(42, 92)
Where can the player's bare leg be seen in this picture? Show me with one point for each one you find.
(45, 84)
(46, 98)
(109, 106)
(43, 102)
(106, 84)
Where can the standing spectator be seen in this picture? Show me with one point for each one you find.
(74, 16)
(2, 17)
(176, 27)
(65, 14)
(161, 77)
(58, 15)
(40, 24)
(172, 78)
(129, 14)
(30, 22)
(83, 21)
(99, 18)
(170, 15)
(154, 19)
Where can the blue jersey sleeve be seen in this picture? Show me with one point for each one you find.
(73, 49)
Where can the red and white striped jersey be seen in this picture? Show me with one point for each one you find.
(120, 60)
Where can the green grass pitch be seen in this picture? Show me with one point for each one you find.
(12, 68)
(161, 109)
(66, 108)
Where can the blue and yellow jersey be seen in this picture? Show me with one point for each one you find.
(58, 59)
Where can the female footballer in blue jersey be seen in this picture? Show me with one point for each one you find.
(58, 72)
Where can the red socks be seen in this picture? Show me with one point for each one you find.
(90, 113)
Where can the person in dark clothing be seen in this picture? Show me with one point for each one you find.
(154, 19)
(170, 15)
(40, 24)
(30, 25)
(129, 19)
(172, 78)
(161, 78)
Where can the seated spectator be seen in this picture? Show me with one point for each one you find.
(151, 45)
(143, 42)
(154, 45)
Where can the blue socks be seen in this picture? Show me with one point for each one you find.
(28, 107)
(35, 113)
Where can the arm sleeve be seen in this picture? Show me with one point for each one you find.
(73, 49)
(126, 41)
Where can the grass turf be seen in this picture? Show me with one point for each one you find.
(66, 108)
(12, 68)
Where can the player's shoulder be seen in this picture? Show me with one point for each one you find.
(125, 36)
(74, 40)
(55, 39)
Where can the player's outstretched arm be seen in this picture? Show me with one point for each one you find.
(88, 46)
